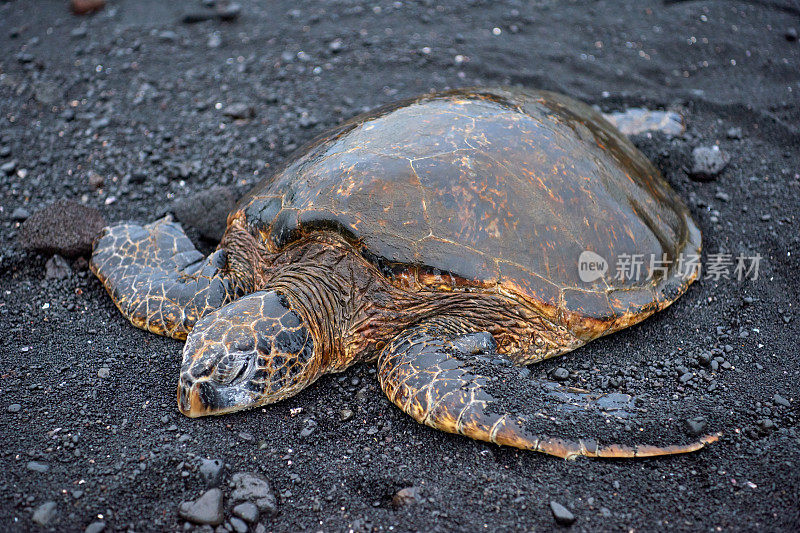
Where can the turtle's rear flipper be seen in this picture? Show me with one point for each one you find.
(157, 278)
(455, 381)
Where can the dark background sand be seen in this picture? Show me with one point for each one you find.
(145, 89)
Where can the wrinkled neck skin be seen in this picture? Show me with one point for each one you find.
(353, 311)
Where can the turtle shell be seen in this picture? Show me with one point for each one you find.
(494, 190)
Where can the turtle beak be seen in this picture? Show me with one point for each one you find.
(202, 398)
(189, 402)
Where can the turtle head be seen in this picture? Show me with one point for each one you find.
(254, 351)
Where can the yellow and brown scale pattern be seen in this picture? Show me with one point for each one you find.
(429, 374)
(259, 326)
(157, 278)
(495, 190)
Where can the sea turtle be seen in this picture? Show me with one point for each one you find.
(439, 237)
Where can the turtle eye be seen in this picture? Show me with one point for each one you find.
(230, 369)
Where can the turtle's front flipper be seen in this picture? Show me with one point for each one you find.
(453, 380)
(157, 278)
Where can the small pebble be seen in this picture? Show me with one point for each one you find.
(168, 36)
(20, 214)
(8, 168)
(36, 466)
(309, 427)
(214, 40)
(45, 513)
(247, 511)
(696, 425)
(734, 133)
(238, 525)
(708, 162)
(211, 470)
(780, 400)
(239, 111)
(95, 527)
(562, 515)
(57, 268)
(407, 496)
(228, 11)
(207, 509)
(252, 487)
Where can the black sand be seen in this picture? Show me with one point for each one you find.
(136, 97)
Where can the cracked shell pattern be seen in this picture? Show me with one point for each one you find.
(495, 189)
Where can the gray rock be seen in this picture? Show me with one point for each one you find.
(207, 211)
(14, 408)
(708, 162)
(207, 509)
(168, 36)
(560, 374)
(308, 428)
(239, 111)
(20, 214)
(238, 525)
(8, 168)
(696, 425)
(228, 11)
(780, 400)
(214, 40)
(57, 268)
(95, 527)
(252, 487)
(45, 514)
(65, 227)
(734, 133)
(96, 181)
(637, 120)
(104, 372)
(100, 123)
(336, 45)
(562, 515)
(212, 471)
(247, 511)
(407, 496)
(36, 466)
(47, 92)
